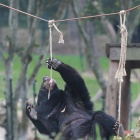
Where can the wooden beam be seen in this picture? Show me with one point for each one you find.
(133, 51)
(131, 54)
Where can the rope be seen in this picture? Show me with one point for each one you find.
(123, 30)
(110, 14)
(69, 18)
(119, 109)
(61, 40)
(50, 42)
(23, 12)
(121, 72)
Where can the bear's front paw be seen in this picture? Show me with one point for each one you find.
(54, 63)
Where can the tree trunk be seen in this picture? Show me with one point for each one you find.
(8, 62)
(125, 4)
(20, 129)
(24, 96)
(108, 27)
(8, 75)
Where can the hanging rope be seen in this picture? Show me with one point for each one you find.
(123, 30)
(121, 72)
(51, 24)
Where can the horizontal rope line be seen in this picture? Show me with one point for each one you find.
(63, 20)
(23, 12)
(96, 15)
(87, 17)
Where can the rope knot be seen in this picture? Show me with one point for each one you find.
(123, 30)
(122, 12)
(122, 17)
(50, 23)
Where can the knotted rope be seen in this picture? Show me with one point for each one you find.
(123, 30)
(121, 72)
(51, 23)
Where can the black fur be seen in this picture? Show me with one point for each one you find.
(68, 111)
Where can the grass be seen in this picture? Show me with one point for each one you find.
(74, 61)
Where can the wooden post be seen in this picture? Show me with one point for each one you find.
(125, 97)
(112, 90)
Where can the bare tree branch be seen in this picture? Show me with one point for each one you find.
(106, 23)
(132, 24)
(8, 61)
(33, 23)
(90, 53)
(97, 96)
(2, 52)
(26, 57)
(37, 67)
(51, 3)
(13, 24)
(125, 4)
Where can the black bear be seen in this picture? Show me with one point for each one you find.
(68, 111)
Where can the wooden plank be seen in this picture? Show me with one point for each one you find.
(133, 53)
(112, 90)
(125, 97)
(136, 45)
